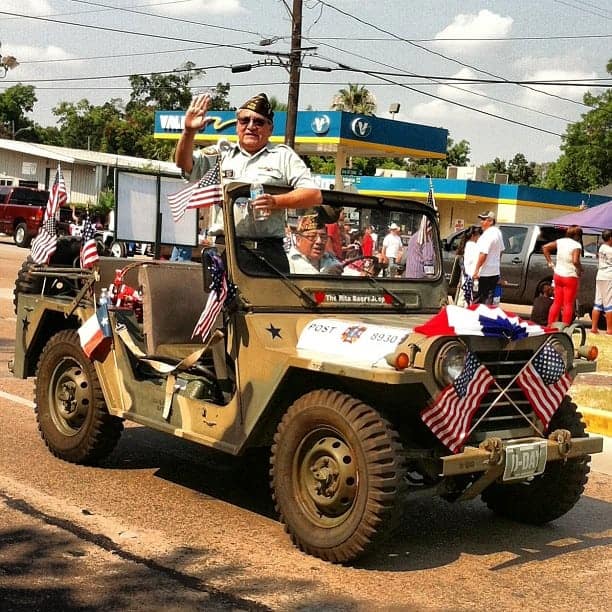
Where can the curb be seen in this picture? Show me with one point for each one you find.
(597, 421)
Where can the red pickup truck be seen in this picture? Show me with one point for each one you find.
(22, 210)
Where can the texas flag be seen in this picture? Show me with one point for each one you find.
(479, 320)
(95, 333)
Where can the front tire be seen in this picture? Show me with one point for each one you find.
(70, 409)
(117, 249)
(551, 494)
(336, 475)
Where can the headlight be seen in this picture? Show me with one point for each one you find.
(449, 363)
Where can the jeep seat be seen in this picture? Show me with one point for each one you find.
(172, 299)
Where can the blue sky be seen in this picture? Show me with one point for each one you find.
(396, 37)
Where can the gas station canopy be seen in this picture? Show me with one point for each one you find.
(333, 133)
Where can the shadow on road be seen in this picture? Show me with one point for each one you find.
(434, 533)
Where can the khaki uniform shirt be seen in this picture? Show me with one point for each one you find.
(272, 165)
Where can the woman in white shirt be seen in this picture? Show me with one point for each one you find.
(468, 251)
(567, 273)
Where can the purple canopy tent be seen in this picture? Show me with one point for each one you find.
(597, 217)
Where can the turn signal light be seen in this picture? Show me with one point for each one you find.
(402, 361)
(590, 353)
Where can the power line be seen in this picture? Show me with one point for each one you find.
(440, 81)
(585, 10)
(166, 18)
(116, 30)
(471, 39)
(446, 57)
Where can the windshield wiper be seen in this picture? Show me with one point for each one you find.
(397, 301)
(306, 297)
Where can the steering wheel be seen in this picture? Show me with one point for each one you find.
(367, 269)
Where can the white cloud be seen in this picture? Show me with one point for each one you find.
(26, 7)
(542, 101)
(201, 7)
(483, 25)
(28, 53)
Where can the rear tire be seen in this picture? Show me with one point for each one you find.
(21, 236)
(337, 473)
(553, 493)
(70, 409)
(117, 249)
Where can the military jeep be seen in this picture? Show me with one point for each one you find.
(331, 372)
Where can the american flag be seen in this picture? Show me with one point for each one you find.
(89, 250)
(450, 415)
(206, 192)
(45, 243)
(58, 196)
(545, 382)
(222, 292)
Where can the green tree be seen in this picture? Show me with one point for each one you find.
(521, 171)
(15, 102)
(163, 91)
(355, 99)
(82, 125)
(457, 154)
(220, 97)
(586, 160)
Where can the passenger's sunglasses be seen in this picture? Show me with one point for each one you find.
(256, 121)
(322, 236)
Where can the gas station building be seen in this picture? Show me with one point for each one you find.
(342, 135)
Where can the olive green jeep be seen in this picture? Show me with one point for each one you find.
(356, 378)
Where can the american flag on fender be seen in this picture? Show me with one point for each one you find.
(45, 243)
(545, 382)
(89, 250)
(206, 192)
(450, 416)
(222, 292)
(58, 196)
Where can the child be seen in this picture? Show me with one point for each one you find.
(542, 303)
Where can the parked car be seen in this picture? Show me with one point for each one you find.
(22, 210)
(523, 265)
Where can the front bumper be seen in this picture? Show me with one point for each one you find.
(491, 453)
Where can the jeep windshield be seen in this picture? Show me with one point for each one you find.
(351, 237)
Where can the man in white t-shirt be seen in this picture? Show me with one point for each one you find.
(391, 249)
(490, 246)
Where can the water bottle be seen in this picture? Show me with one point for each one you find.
(103, 297)
(260, 213)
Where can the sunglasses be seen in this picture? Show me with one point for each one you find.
(256, 121)
(314, 237)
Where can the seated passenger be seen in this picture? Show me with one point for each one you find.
(308, 255)
(542, 303)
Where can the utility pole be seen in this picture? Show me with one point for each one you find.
(295, 59)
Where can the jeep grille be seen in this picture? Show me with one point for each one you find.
(503, 420)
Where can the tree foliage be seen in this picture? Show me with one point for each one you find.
(457, 154)
(15, 102)
(586, 161)
(355, 99)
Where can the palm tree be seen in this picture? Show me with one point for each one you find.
(276, 105)
(355, 99)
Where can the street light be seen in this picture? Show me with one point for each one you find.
(7, 62)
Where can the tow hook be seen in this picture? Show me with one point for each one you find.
(563, 438)
(493, 446)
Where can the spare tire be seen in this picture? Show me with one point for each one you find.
(67, 251)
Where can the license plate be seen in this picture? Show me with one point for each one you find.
(524, 460)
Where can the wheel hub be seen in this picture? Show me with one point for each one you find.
(329, 476)
(71, 397)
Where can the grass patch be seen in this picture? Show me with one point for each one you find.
(593, 396)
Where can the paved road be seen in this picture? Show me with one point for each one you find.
(164, 524)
